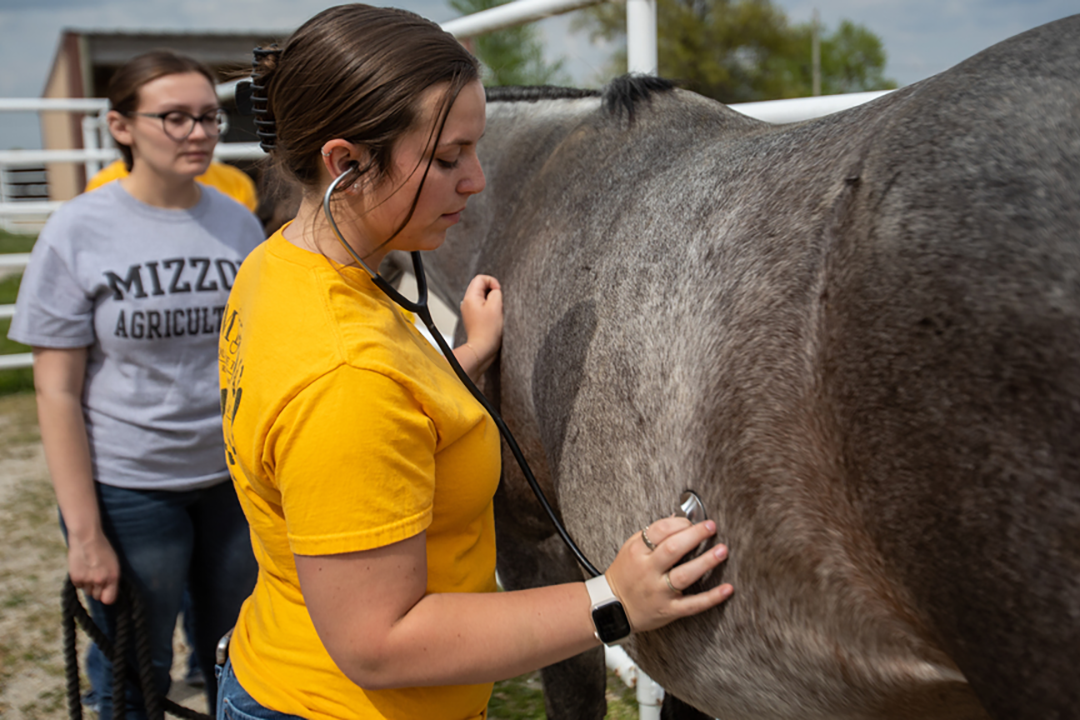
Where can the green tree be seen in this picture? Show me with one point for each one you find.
(852, 60)
(745, 50)
(514, 56)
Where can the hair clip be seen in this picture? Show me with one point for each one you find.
(255, 100)
(244, 105)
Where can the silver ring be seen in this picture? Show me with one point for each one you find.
(645, 538)
(667, 579)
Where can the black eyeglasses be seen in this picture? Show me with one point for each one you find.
(178, 124)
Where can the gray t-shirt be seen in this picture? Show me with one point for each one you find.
(144, 288)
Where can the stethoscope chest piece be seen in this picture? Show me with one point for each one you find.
(691, 507)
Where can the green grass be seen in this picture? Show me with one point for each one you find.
(522, 698)
(13, 381)
(621, 700)
(13, 243)
(9, 289)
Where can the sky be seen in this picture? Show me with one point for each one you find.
(921, 37)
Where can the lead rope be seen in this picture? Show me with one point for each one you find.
(130, 622)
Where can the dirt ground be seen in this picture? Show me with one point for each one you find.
(31, 575)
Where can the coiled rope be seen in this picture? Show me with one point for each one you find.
(130, 626)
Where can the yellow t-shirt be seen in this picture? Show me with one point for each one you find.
(230, 180)
(345, 430)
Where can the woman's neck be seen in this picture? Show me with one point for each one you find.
(153, 189)
(311, 231)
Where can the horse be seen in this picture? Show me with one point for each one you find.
(857, 338)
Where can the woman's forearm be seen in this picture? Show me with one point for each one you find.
(58, 381)
(452, 638)
(471, 362)
(67, 454)
(376, 621)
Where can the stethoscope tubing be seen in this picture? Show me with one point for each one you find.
(420, 308)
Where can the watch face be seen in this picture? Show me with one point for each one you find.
(611, 622)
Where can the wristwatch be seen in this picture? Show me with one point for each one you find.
(608, 616)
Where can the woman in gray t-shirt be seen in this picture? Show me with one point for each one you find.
(121, 303)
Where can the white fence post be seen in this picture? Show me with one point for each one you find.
(650, 697)
(91, 141)
(641, 53)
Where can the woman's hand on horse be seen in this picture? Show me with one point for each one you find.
(482, 315)
(637, 574)
(94, 567)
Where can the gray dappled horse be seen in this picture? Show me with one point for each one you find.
(858, 338)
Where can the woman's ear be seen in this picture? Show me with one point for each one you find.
(340, 155)
(119, 127)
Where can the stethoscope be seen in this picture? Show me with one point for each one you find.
(690, 505)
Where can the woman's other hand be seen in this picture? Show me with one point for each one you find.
(482, 316)
(637, 576)
(94, 567)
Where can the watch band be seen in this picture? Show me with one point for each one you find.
(608, 614)
(599, 590)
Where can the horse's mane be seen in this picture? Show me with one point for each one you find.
(621, 94)
(626, 91)
(533, 93)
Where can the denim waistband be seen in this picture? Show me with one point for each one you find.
(234, 702)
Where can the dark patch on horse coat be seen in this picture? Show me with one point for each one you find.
(560, 372)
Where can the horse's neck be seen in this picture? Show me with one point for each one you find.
(520, 137)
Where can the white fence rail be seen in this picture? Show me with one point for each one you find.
(511, 14)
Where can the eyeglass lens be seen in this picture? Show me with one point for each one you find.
(179, 124)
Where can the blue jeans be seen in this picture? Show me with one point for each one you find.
(234, 703)
(168, 540)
